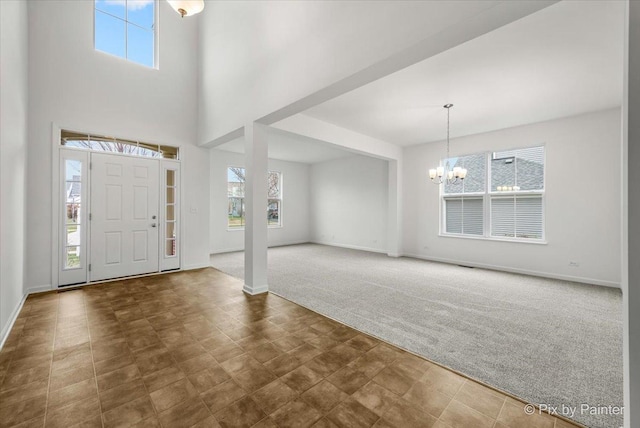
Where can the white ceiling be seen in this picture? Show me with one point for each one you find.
(561, 61)
(286, 146)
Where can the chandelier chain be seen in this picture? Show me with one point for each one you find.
(448, 113)
(445, 173)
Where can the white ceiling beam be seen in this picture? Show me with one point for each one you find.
(491, 19)
(237, 133)
(352, 141)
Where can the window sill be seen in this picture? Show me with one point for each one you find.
(486, 238)
(241, 229)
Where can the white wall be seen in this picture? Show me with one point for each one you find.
(295, 203)
(278, 52)
(582, 201)
(195, 208)
(13, 154)
(349, 203)
(78, 88)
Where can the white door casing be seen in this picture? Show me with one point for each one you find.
(72, 195)
(124, 216)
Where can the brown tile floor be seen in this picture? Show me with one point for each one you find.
(191, 350)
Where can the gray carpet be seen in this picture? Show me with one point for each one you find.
(543, 340)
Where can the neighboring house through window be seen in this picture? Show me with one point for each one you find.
(126, 28)
(517, 191)
(235, 193)
(73, 184)
(502, 196)
(463, 201)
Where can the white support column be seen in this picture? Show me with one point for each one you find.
(631, 217)
(394, 215)
(255, 197)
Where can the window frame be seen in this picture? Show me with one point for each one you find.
(154, 30)
(280, 200)
(67, 135)
(488, 196)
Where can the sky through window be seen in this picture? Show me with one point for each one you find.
(126, 28)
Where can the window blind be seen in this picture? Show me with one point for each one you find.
(464, 216)
(516, 216)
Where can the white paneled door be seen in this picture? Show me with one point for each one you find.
(124, 216)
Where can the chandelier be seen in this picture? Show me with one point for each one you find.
(187, 7)
(445, 173)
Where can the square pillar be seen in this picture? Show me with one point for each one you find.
(394, 213)
(255, 200)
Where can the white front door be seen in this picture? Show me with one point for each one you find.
(124, 216)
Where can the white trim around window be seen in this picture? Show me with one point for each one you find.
(499, 217)
(235, 210)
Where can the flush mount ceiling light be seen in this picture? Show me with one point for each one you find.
(187, 7)
(445, 173)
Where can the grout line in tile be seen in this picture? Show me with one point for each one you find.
(500, 412)
(93, 363)
(53, 351)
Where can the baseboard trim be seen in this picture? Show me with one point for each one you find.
(197, 266)
(241, 248)
(350, 247)
(12, 320)
(255, 290)
(227, 250)
(592, 281)
(287, 243)
(39, 289)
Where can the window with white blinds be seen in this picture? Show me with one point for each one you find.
(501, 198)
(465, 216)
(517, 217)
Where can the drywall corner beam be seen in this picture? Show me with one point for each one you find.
(338, 136)
(490, 19)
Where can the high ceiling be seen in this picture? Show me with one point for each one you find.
(294, 148)
(562, 61)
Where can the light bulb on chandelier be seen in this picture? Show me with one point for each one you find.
(445, 173)
(187, 7)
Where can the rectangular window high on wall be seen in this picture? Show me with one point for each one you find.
(126, 28)
(502, 196)
(236, 204)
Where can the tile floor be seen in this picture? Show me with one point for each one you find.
(189, 349)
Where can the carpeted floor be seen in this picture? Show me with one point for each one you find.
(545, 341)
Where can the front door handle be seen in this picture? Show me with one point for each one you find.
(153, 225)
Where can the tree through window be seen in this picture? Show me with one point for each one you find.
(116, 145)
(236, 194)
